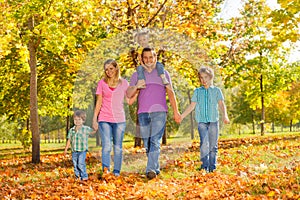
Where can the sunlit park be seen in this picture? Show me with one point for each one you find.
(52, 59)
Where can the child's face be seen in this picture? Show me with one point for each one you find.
(205, 79)
(78, 121)
(143, 40)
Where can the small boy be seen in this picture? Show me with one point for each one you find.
(78, 139)
(142, 39)
(207, 100)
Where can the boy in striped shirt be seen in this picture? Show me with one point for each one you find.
(78, 139)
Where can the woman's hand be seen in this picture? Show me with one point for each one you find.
(95, 125)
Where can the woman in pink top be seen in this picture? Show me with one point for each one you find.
(109, 114)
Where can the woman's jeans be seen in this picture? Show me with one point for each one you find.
(78, 158)
(152, 126)
(112, 134)
(209, 133)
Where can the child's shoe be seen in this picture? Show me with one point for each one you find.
(164, 80)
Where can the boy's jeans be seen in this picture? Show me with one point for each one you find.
(152, 126)
(78, 158)
(209, 133)
(112, 134)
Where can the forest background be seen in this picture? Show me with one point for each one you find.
(52, 54)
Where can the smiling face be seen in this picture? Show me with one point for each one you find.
(206, 79)
(110, 70)
(149, 59)
(78, 121)
(143, 40)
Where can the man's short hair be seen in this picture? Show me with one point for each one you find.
(146, 49)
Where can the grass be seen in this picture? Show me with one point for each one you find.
(15, 147)
(252, 169)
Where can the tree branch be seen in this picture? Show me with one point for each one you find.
(153, 17)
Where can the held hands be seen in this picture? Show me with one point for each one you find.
(95, 125)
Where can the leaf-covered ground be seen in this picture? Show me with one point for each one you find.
(253, 168)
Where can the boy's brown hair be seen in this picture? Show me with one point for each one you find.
(81, 114)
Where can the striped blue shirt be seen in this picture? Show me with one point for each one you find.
(207, 109)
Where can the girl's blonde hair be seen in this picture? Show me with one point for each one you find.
(117, 77)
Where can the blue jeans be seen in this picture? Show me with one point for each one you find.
(140, 70)
(152, 126)
(209, 133)
(112, 134)
(78, 158)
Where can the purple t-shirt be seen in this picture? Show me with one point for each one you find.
(153, 97)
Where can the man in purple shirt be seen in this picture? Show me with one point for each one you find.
(152, 109)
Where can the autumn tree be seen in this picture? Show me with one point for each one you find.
(256, 57)
(46, 41)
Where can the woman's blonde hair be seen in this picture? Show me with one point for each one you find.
(117, 77)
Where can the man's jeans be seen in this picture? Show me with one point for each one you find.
(78, 158)
(209, 133)
(152, 126)
(112, 134)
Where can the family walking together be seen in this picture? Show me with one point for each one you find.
(150, 86)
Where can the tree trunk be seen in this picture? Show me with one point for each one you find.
(291, 125)
(49, 137)
(253, 124)
(262, 122)
(58, 135)
(161, 54)
(68, 119)
(137, 138)
(164, 138)
(67, 125)
(34, 124)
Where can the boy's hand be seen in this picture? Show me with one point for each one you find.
(226, 120)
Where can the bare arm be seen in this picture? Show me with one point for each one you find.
(188, 110)
(131, 100)
(67, 146)
(96, 111)
(224, 111)
(131, 91)
(173, 102)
